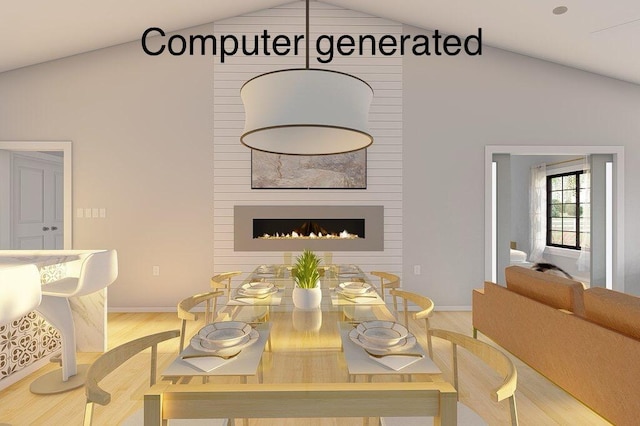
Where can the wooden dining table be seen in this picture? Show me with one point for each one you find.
(303, 364)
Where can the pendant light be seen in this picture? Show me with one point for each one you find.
(306, 111)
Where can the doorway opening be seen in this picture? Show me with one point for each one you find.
(18, 161)
(606, 267)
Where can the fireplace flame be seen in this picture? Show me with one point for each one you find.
(342, 235)
(309, 229)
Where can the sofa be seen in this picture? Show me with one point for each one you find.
(587, 341)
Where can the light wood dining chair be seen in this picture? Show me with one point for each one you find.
(493, 358)
(425, 304)
(111, 360)
(186, 305)
(387, 281)
(224, 281)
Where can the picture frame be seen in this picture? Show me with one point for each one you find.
(334, 171)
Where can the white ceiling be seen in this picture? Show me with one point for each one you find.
(594, 35)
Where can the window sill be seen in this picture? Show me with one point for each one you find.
(557, 251)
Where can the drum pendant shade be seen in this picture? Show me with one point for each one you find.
(306, 112)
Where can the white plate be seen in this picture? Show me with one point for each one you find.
(244, 293)
(354, 288)
(249, 340)
(257, 288)
(382, 333)
(348, 273)
(265, 270)
(402, 346)
(223, 334)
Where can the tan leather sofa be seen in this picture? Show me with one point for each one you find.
(585, 341)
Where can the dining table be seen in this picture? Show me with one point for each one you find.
(297, 363)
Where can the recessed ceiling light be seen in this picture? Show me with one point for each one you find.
(560, 10)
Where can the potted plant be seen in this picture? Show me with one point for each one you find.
(306, 292)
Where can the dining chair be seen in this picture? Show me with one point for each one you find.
(387, 281)
(111, 360)
(494, 359)
(224, 281)
(186, 305)
(425, 304)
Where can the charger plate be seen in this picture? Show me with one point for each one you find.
(222, 334)
(402, 346)
(248, 340)
(257, 288)
(382, 333)
(243, 292)
(354, 288)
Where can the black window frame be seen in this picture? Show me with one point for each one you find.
(577, 203)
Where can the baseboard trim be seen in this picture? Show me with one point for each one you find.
(19, 375)
(453, 308)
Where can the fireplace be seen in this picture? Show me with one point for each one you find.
(308, 228)
(292, 228)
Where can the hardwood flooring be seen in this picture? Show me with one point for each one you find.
(539, 401)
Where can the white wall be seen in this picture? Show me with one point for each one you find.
(142, 143)
(453, 108)
(142, 148)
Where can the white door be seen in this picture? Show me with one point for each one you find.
(37, 201)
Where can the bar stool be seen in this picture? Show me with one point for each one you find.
(20, 291)
(96, 271)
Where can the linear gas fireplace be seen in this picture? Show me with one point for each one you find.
(308, 228)
(281, 228)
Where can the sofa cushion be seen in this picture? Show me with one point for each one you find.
(552, 290)
(614, 310)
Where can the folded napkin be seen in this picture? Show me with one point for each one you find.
(208, 363)
(397, 362)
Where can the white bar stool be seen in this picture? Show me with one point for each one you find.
(20, 291)
(96, 271)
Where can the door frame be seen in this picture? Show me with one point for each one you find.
(618, 198)
(65, 147)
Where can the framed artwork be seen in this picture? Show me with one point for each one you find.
(279, 171)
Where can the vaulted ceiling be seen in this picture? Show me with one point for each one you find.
(593, 35)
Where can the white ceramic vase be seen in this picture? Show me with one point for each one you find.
(307, 298)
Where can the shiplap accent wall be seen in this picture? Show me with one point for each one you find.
(232, 160)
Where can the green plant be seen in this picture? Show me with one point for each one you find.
(306, 273)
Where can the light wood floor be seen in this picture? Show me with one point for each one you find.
(539, 402)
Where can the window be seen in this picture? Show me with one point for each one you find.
(568, 210)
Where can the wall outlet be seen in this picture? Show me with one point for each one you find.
(417, 270)
(103, 213)
(156, 271)
(87, 213)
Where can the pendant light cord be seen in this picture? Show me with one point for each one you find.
(307, 35)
